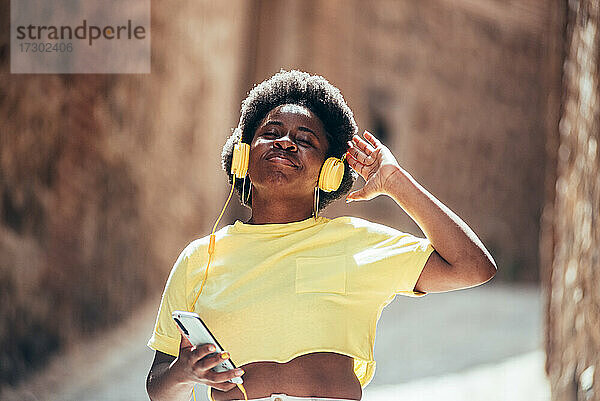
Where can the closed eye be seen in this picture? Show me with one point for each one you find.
(304, 142)
(301, 140)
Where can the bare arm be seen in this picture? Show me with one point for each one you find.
(162, 384)
(460, 259)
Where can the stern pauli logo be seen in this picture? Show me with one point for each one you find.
(78, 36)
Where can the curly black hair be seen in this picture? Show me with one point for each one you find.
(311, 91)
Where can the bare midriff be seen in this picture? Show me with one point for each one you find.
(318, 374)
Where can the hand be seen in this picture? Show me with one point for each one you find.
(194, 365)
(374, 162)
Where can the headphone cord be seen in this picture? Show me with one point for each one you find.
(211, 244)
(211, 250)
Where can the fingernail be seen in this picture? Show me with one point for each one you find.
(239, 372)
(225, 355)
(211, 348)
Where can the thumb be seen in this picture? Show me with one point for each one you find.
(184, 343)
(358, 195)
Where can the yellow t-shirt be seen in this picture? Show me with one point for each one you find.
(277, 291)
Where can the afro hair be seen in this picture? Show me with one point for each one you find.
(311, 91)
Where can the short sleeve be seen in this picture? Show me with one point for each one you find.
(166, 337)
(418, 252)
(390, 259)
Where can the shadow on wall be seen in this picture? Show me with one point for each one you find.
(72, 240)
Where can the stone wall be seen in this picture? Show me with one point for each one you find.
(572, 233)
(105, 178)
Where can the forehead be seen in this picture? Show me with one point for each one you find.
(297, 114)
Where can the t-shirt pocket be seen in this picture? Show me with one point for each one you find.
(321, 274)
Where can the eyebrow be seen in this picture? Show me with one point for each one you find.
(300, 128)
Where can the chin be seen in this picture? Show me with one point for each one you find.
(284, 184)
(279, 179)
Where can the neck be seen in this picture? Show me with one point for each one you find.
(272, 208)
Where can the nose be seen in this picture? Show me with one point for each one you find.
(285, 143)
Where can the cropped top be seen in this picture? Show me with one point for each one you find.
(278, 291)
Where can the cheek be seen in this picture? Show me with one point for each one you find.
(256, 149)
(251, 163)
(315, 166)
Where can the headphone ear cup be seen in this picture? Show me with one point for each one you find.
(331, 175)
(239, 161)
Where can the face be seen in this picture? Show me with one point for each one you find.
(288, 150)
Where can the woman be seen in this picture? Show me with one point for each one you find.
(294, 298)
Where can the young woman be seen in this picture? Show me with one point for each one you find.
(294, 298)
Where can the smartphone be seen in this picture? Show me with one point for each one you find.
(197, 333)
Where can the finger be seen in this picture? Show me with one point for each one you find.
(184, 343)
(222, 377)
(210, 361)
(226, 386)
(201, 351)
(356, 165)
(359, 195)
(365, 170)
(362, 144)
(372, 140)
(360, 155)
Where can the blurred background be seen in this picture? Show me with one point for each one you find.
(493, 106)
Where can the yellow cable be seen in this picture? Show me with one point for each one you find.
(211, 250)
(211, 244)
(223, 210)
(243, 390)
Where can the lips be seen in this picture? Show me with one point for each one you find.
(281, 158)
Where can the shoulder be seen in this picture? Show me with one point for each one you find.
(358, 224)
(199, 246)
(364, 232)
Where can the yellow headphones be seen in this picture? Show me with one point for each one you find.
(332, 173)
(241, 157)
(330, 178)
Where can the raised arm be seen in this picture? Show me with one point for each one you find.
(460, 259)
